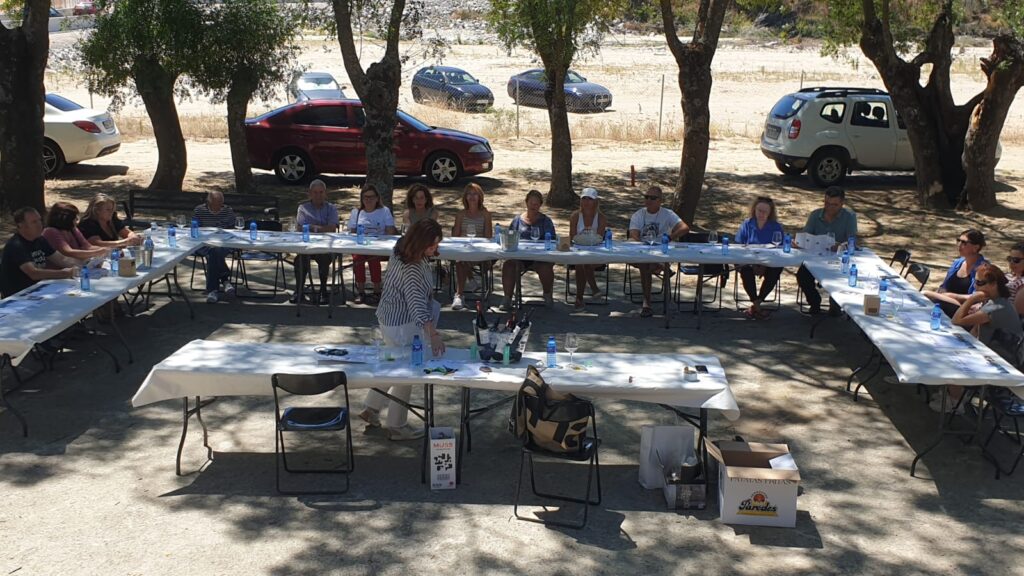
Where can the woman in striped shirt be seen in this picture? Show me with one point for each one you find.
(407, 308)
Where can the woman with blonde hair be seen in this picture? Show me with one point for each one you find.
(101, 226)
(475, 218)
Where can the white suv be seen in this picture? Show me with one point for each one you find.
(831, 131)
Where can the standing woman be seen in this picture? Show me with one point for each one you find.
(419, 205)
(759, 228)
(62, 233)
(407, 309)
(589, 216)
(472, 214)
(101, 226)
(376, 220)
(959, 282)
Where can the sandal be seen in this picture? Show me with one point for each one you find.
(749, 314)
(359, 298)
(646, 312)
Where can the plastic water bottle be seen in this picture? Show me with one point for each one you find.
(193, 232)
(787, 244)
(664, 243)
(506, 354)
(547, 241)
(148, 248)
(607, 238)
(853, 275)
(252, 231)
(846, 262)
(305, 232)
(497, 234)
(360, 234)
(417, 351)
(552, 351)
(883, 289)
(851, 244)
(936, 317)
(172, 236)
(84, 276)
(115, 262)
(725, 244)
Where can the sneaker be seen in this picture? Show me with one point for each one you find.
(371, 417)
(229, 289)
(212, 297)
(405, 432)
(506, 305)
(457, 303)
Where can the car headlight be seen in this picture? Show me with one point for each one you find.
(478, 149)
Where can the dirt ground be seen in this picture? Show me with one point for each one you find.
(93, 490)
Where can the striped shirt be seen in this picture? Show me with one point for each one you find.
(407, 294)
(207, 219)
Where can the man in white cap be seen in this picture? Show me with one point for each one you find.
(652, 221)
(588, 217)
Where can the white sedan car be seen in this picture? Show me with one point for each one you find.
(75, 133)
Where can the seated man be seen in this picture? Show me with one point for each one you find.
(656, 220)
(842, 223)
(322, 217)
(29, 258)
(214, 214)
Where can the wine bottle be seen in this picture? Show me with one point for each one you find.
(481, 325)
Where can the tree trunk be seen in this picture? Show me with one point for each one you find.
(1005, 72)
(695, 80)
(936, 126)
(238, 105)
(156, 87)
(23, 54)
(560, 193)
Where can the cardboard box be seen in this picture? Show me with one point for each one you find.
(442, 458)
(872, 304)
(757, 483)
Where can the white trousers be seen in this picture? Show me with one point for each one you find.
(399, 337)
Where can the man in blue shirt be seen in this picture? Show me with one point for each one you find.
(842, 223)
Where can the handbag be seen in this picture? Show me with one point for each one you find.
(547, 419)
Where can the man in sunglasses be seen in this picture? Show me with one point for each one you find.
(842, 223)
(650, 222)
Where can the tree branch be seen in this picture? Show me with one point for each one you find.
(394, 29)
(343, 19)
(669, 22)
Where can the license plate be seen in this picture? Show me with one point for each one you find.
(772, 131)
(483, 101)
(108, 124)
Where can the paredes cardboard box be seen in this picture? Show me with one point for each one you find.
(757, 483)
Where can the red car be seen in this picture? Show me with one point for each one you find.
(83, 8)
(326, 136)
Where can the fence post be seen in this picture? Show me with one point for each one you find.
(517, 108)
(801, 79)
(661, 105)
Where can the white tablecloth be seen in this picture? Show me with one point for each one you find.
(917, 354)
(47, 308)
(215, 368)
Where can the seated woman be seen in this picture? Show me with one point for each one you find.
(1016, 277)
(473, 214)
(419, 205)
(101, 226)
(588, 217)
(62, 233)
(959, 281)
(759, 228)
(524, 223)
(376, 219)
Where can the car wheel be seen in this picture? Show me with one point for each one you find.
(827, 168)
(293, 167)
(417, 96)
(53, 158)
(443, 169)
(789, 169)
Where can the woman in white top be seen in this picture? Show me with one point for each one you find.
(589, 216)
(376, 220)
(472, 214)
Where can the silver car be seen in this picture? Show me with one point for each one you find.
(315, 86)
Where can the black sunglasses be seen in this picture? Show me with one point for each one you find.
(646, 197)
(961, 242)
(1014, 259)
(978, 282)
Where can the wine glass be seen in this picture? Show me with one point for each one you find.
(648, 236)
(239, 222)
(896, 299)
(832, 241)
(180, 219)
(572, 343)
(712, 237)
(534, 233)
(776, 238)
(471, 232)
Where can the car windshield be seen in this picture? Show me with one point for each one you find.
(574, 78)
(317, 83)
(459, 78)
(415, 123)
(787, 107)
(61, 103)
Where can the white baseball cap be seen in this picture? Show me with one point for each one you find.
(589, 193)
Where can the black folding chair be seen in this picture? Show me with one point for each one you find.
(1007, 408)
(902, 257)
(920, 273)
(296, 419)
